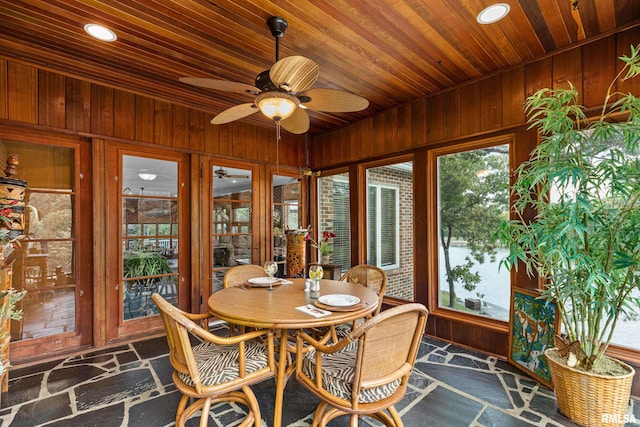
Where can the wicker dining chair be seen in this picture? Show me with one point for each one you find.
(239, 274)
(369, 276)
(367, 372)
(216, 369)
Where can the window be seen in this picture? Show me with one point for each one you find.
(383, 222)
(389, 232)
(334, 215)
(626, 328)
(473, 196)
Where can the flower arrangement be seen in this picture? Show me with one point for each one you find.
(324, 244)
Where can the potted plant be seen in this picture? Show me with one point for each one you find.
(583, 183)
(323, 246)
(144, 268)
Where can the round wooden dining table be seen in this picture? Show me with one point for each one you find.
(276, 309)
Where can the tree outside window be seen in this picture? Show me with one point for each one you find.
(473, 196)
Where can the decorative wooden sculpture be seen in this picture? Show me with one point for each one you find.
(296, 252)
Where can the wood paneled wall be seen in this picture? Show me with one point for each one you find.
(487, 107)
(479, 108)
(55, 102)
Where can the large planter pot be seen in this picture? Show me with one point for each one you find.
(590, 399)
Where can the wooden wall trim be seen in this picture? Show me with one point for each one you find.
(100, 256)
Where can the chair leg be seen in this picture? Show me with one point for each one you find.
(204, 417)
(353, 420)
(329, 415)
(252, 404)
(318, 415)
(181, 406)
(395, 416)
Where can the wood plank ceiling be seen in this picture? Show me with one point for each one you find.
(388, 51)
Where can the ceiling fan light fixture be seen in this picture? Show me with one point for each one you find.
(277, 105)
(493, 13)
(147, 176)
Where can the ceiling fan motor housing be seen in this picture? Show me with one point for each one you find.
(264, 83)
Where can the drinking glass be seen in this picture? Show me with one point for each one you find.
(315, 273)
(270, 267)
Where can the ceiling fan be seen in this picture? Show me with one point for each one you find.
(283, 92)
(223, 174)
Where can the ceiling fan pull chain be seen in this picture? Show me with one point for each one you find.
(277, 147)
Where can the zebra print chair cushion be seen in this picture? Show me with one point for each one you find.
(218, 364)
(338, 372)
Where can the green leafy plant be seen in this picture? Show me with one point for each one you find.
(583, 183)
(8, 312)
(145, 262)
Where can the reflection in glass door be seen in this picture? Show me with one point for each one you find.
(231, 220)
(149, 234)
(287, 204)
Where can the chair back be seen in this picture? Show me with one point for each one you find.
(388, 345)
(236, 276)
(176, 325)
(369, 276)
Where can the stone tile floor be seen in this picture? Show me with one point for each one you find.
(130, 385)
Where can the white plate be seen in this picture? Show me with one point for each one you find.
(339, 300)
(262, 281)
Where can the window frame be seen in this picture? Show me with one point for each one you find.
(378, 238)
(340, 175)
(359, 228)
(433, 231)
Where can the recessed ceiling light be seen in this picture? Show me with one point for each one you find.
(100, 32)
(147, 176)
(493, 13)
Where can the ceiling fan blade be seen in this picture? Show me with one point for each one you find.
(296, 123)
(224, 85)
(294, 73)
(238, 176)
(332, 100)
(235, 113)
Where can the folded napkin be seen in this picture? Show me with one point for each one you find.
(313, 310)
(277, 282)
